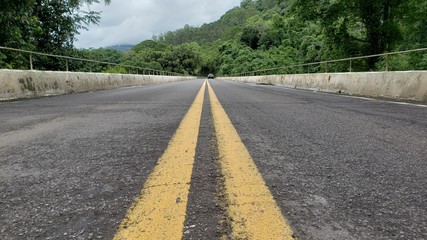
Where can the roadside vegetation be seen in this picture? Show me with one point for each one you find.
(256, 35)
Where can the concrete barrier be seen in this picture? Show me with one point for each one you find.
(15, 84)
(408, 85)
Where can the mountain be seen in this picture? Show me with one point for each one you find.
(280, 35)
(121, 47)
(227, 27)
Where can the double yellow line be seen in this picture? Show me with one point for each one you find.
(159, 211)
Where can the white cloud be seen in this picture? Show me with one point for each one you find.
(132, 21)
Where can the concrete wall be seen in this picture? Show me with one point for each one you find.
(408, 85)
(15, 84)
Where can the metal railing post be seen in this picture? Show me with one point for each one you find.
(31, 61)
(66, 65)
(350, 65)
(386, 63)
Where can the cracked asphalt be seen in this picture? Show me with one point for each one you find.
(338, 167)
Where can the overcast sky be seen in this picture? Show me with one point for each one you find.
(133, 21)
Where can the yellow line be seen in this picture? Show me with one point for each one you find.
(159, 212)
(253, 212)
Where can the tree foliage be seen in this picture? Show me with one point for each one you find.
(258, 34)
(358, 27)
(44, 25)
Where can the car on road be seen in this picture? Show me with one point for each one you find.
(211, 76)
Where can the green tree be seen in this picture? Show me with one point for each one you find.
(184, 58)
(16, 27)
(100, 54)
(60, 22)
(42, 25)
(357, 26)
(255, 32)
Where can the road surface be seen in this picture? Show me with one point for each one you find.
(209, 161)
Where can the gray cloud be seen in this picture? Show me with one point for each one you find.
(132, 21)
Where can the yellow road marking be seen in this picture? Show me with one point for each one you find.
(159, 212)
(252, 208)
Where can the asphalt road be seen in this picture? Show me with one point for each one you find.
(338, 167)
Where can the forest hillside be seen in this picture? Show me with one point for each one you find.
(262, 34)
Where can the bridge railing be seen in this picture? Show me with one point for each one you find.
(351, 64)
(130, 68)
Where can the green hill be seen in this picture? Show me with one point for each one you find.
(227, 27)
(121, 47)
(259, 34)
(262, 34)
